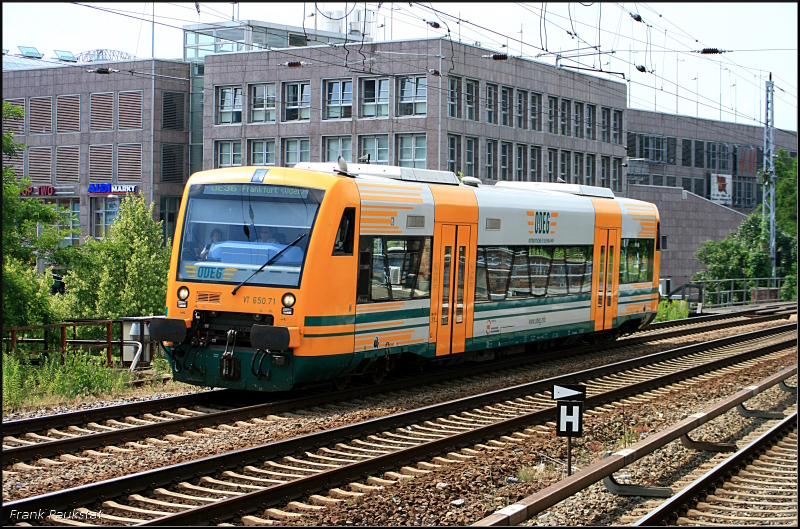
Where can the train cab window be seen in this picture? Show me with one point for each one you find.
(343, 245)
(394, 268)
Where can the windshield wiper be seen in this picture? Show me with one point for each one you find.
(274, 257)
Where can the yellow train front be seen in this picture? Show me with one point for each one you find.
(281, 277)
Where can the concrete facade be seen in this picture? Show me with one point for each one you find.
(72, 182)
(687, 221)
(421, 58)
(736, 150)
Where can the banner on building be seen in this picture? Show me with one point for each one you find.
(721, 189)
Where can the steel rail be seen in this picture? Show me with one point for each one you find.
(684, 500)
(237, 459)
(61, 446)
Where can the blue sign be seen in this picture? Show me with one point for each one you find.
(111, 188)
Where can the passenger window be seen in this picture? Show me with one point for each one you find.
(343, 245)
(393, 268)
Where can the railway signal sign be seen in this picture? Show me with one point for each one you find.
(569, 422)
(569, 392)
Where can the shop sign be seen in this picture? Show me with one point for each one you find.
(721, 192)
(105, 189)
(42, 191)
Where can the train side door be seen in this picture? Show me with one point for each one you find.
(605, 278)
(450, 297)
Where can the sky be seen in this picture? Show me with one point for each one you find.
(759, 39)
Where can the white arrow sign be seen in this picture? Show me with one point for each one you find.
(560, 392)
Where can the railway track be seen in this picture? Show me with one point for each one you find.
(264, 480)
(72, 437)
(755, 486)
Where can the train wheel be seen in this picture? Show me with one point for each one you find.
(341, 383)
(378, 376)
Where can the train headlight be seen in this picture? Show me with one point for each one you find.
(288, 300)
(183, 293)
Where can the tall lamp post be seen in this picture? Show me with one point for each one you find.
(696, 91)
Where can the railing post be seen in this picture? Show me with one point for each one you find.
(108, 342)
(13, 340)
(63, 340)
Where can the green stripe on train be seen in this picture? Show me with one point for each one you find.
(373, 317)
(367, 331)
(483, 306)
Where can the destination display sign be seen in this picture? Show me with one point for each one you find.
(260, 190)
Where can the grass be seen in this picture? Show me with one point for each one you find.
(672, 310)
(83, 377)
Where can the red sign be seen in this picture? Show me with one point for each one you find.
(42, 191)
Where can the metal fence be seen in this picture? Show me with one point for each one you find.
(732, 292)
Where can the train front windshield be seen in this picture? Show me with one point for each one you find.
(231, 230)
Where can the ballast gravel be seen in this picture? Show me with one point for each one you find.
(34, 482)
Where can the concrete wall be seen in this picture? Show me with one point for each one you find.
(687, 221)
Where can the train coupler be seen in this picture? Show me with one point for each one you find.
(230, 367)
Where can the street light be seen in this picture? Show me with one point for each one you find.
(696, 79)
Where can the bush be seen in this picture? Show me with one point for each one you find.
(82, 374)
(672, 310)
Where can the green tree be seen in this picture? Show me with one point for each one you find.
(124, 274)
(30, 231)
(786, 193)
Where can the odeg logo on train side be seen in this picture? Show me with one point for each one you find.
(541, 222)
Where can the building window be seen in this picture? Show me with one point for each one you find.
(69, 213)
(698, 153)
(40, 162)
(536, 104)
(471, 157)
(605, 116)
(376, 98)
(101, 110)
(412, 150)
(552, 109)
(68, 164)
(453, 153)
(551, 165)
(68, 113)
(590, 174)
(229, 153)
(297, 101)
(565, 166)
(338, 99)
(376, 148)
(664, 242)
(130, 110)
(104, 212)
(505, 107)
(338, 146)
(616, 175)
(230, 105)
(577, 120)
(605, 166)
(686, 153)
(522, 109)
(565, 121)
(536, 155)
(296, 151)
(169, 215)
(413, 96)
(173, 111)
(172, 162)
(262, 103)
(590, 122)
(653, 148)
(577, 168)
(262, 152)
(129, 162)
(491, 151)
(522, 157)
(454, 97)
(505, 154)
(616, 127)
(472, 98)
(491, 104)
